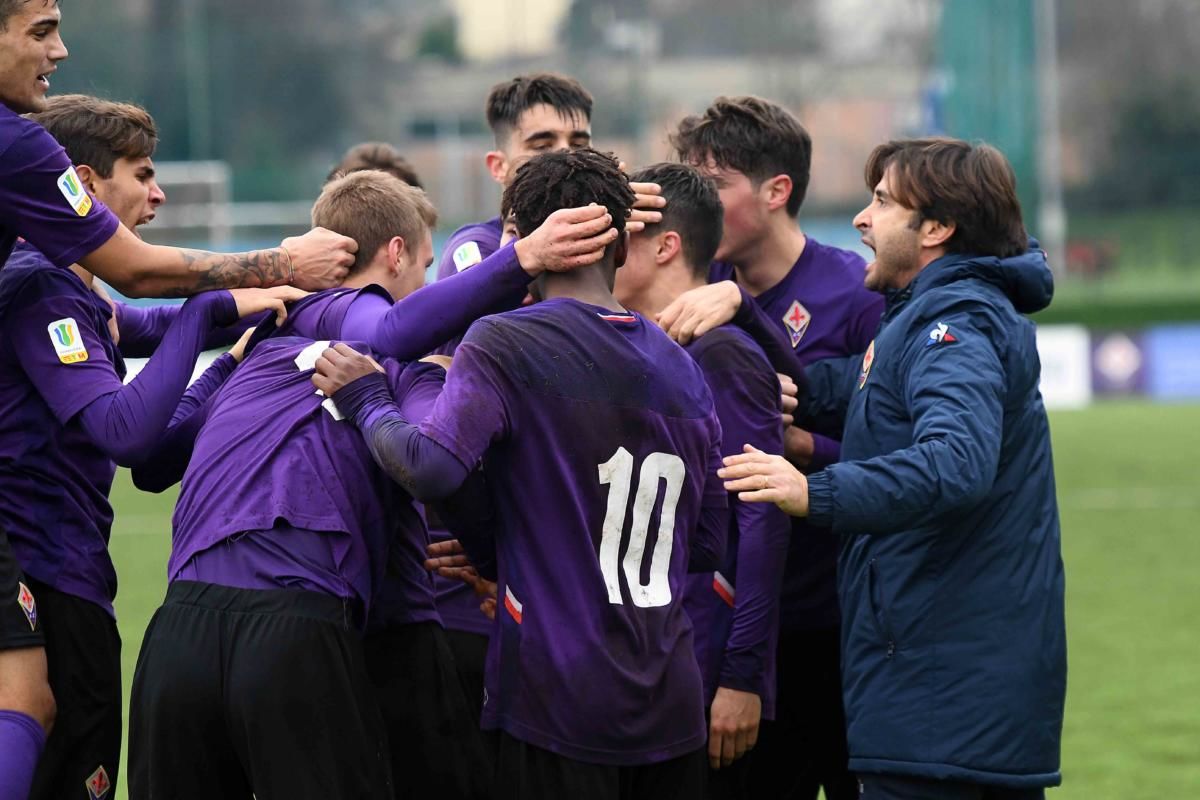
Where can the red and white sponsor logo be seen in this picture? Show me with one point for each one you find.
(723, 588)
(512, 604)
(98, 784)
(28, 604)
(796, 319)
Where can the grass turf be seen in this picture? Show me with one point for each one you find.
(1129, 495)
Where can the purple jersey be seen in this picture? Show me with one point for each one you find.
(735, 610)
(826, 311)
(467, 246)
(42, 199)
(273, 455)
(600, 445)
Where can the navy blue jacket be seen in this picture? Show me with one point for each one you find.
(950, 574)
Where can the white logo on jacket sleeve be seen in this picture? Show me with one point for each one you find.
(467, 255)
(72, 189)
(940, 335)
(68, 342)
(796, 319)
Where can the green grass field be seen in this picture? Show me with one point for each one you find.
(1129, 493)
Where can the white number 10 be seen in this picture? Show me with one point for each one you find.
(617, 473)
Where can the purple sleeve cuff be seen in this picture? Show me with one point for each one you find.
(826, 451)
(364, 399)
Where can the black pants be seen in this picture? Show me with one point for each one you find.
(19, 622)
(433, 740)
(83, 653)
(525, 772)
(804, 748)
(470, 659)
(895, 787)
(241, 693)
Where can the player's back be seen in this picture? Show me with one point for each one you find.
(606, 453)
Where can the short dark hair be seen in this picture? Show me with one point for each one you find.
(8, 8)
(566, 179)
(376, 155)
(507, 101)
(693, 210)
(754, 136)
(372, 206)
(949, 180)
(97, 132)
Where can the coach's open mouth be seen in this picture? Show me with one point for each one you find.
(44, 79)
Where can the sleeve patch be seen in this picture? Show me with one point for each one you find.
(67, 341)
(467, 255)
(72, 189)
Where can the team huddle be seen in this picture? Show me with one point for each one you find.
(596, 514)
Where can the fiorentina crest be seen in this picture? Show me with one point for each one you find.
(98, 783)
(867, 362)
(28, 605)
(796, 319)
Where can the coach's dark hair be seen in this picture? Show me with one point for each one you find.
(372, 206)
(376, 155)
(754, 136)
(551, 181)
(97, 132)
(9, 7)
(693, 210)
(952, 181)
(507, 101)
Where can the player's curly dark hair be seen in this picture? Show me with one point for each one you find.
(566, 179)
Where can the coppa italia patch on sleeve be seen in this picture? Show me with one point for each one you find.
(68, 343)
(72, 189)
(940, 335)
(467, 255)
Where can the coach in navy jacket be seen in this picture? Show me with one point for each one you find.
(950, 575)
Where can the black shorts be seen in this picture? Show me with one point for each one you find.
(470, 658)
(19, 622)
(897, 787)
(804, 747)
(526, 772)
(435, 746)
(83, 654)
(239, 691)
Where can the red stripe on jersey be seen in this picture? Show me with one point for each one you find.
(513, 605)
(723, 588)
(617, 317)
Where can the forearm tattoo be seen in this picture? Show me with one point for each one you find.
(255, 269)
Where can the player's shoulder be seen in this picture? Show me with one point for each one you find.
(21, 139)
(29, 272)
(470, 244)
(729, 348)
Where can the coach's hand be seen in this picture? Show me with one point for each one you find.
(341, 365)
(255, 301)
(697, 311)
(734, 727)
(569, 238)
(320, 259)
(761, 478)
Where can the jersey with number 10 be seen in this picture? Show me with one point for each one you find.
(600, 445)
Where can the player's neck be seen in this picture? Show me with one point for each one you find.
(88, 278)
(591, 285)
(373, 273)
(670, 281)
(772, 257)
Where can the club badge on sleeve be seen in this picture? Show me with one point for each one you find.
(467, 255)
(72, 189)
(868, 361)
(28, 604)
(67, 341)
(796, 319)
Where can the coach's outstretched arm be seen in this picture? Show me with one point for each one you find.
(320, 259)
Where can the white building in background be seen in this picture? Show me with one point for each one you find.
(498, 29)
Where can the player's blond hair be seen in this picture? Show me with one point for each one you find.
(371, 207)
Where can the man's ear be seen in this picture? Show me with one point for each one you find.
(936, 234)
(87, 177)
(778, 191)
(620, 249)
(497, 164)
(669, 245)
(397, 251)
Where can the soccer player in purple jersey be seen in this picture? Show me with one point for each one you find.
(759, 155)
(598, 438)
(67, 419)
(735, 610)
